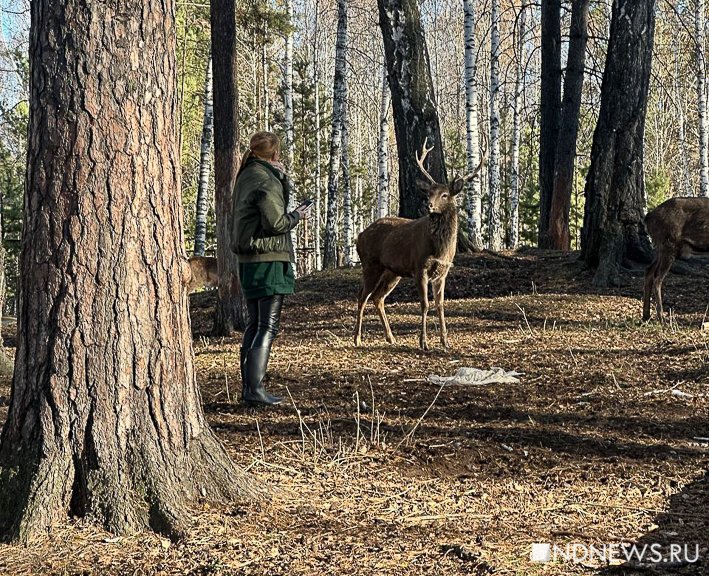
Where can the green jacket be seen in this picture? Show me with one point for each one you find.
(260, 225)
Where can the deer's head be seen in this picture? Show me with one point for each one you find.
(440, 196)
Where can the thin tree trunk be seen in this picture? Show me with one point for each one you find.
(700, 34)
(231, 308)
(266, 94)
(105, 419)
(685, 187)
(5, 363)
(613, 228)
(338, 111)
(550, 108)
(473, 196)
(347, 204)
(318, 177)
(494, 218)
(288, 99)
(513, 232)
(413, 101)
(559, 231)
(205, 156)
(383, 149)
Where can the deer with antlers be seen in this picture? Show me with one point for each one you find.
(422, 249)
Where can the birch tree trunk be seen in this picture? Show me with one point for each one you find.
(700, 39)
(266, 94)
(513, 231)
(383, 149)
(346, 185)
(288, 99)
(559, 231)
(338, 113)
(494, 218)
(550, 111)
(105, 419)
(205, 156)
(231, 307)
(685, 188)
(413, 101)
(613, 228)
(318, 177)
(473, 193)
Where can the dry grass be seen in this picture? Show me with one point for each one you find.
(597, 444)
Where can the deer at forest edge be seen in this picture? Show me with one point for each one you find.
(204, 272)
(422, 249)
(679, 228)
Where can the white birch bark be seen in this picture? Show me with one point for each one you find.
(266, 95)
(202, 203)
(338, 109)
(317, 232)
(494, 219)
(513, 232)
(473, 196)
(383, 149)
(685, 188)
(288, 97)
(700, 39)
(347, 207)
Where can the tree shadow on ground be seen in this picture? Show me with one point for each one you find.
(679, 542)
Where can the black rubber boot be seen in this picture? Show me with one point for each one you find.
(242, 366)
(255, 370)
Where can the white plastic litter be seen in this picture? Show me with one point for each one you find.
(476, 377)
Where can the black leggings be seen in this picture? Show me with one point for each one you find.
(264, 320)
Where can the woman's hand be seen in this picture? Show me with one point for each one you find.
(304, 211)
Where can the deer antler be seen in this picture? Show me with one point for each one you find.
(419, 160)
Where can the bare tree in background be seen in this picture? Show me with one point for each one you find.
(495, 210)
(700, 51)
(383, 149)
(205, 157)
(513, 229)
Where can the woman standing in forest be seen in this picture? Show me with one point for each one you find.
(262, 242)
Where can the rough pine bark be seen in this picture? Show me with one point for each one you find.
(550, 111)
(559, 232)
(700, 53)
(383, 149)
(473, 192)
(513, 229)
(231, 307)
(202, 203)
(413, 101)
(613, 229)
(495, 232)
(105, 417)
(338, 111)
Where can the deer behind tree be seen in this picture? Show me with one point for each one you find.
(679, 228)
(422, 249)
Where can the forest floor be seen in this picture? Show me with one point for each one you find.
(378, 471)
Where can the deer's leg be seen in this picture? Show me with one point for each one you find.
(422, 285)
(439, 287)
(649, 288)
(665, 259)
(387, 282)
(369, 282)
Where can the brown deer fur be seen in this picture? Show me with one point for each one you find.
(422, 249)
(679, 228)
(204, 272)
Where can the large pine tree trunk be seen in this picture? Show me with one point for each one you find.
(202, 203)
(494, 214)
(550, 111)
(105, 417)
(383, 149)
(700, 42)
(413, 101)
(338, 113)
(513, 228)
(559, 232)
(231, 309)
(613, 228)
(473, 195)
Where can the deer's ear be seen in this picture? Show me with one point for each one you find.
(456, 186)
(423, 185)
